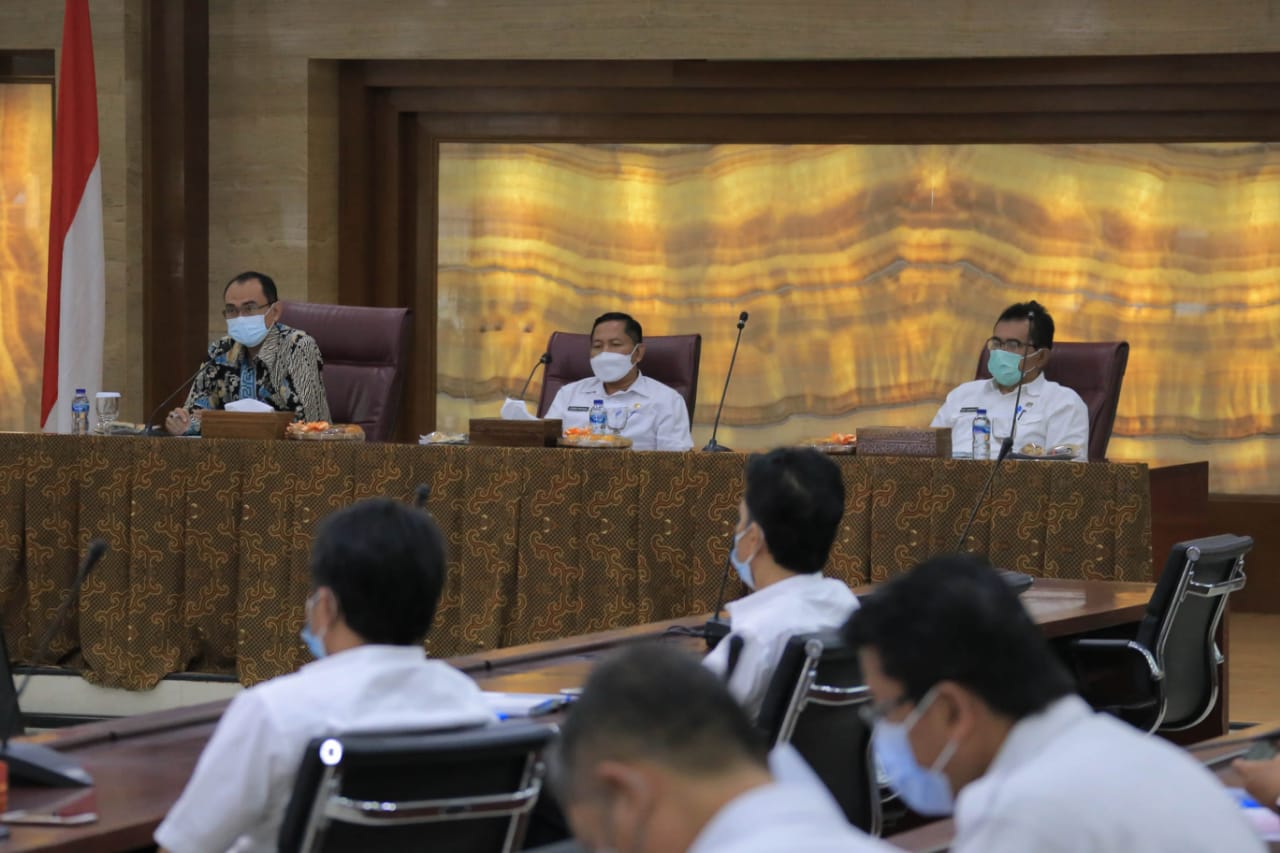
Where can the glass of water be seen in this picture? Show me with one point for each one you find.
(107, 406)
(617, 419)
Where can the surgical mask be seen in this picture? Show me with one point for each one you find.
(926, 790)
(315, 643)
(742, 567)
(247, 331)
(612, 366)
(1005, 367)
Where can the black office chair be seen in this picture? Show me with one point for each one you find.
(458, 790)
(812, 702)
(1166, 678)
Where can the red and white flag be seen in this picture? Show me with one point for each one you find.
(75, 313)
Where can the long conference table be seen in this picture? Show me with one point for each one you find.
(141, 763)
(209, 539)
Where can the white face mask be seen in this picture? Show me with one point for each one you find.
(612, 366)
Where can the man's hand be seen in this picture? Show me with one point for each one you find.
(1261, 779)
(177, 422)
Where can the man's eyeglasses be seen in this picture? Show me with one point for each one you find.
(1011, 345)
(872, 714)
(249, 309)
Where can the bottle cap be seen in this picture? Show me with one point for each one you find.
(982, 411)
(79, 390)
(598, 402)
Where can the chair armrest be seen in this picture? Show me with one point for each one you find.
(1115, 673)
(1106, 650)
(1209, 590)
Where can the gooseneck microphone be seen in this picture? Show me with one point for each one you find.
(150, 430)
(712, 446)
(31, 762)
(1006, 445)
(717, 627)
(546, 359)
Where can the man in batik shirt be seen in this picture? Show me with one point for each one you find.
(259, 359)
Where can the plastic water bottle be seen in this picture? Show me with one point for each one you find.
(981, 435)
(597, 417)
(80, 413)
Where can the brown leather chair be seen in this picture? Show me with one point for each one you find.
(366, 353)
(1095, 371)
(671, 359)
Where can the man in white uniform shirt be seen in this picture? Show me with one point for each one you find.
(377, 569)
(974, 714)
(657, 757)
(1049, 415)
(787, 520)
(656, 415)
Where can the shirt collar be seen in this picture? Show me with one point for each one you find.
(1032, 389)
(1029, 736)
(360, 655)
(785, 588)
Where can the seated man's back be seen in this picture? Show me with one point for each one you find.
(787, 520)
(377, 572)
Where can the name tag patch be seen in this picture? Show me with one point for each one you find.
(579, 408)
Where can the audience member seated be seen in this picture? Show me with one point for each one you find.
(657, 757)
(259, 359)
(974, 713)
(657, 417)
(377, 569)
(787, 520)
(1049, 415)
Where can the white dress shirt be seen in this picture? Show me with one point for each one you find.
(236, 797)
(782, 817)
(767, 619)
(1052, 415)
(658, 418)
(1068, 780)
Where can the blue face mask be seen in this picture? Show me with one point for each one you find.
(1005, 367)
(925, 790)
(314, 643)
(742, 567)
(247, 331)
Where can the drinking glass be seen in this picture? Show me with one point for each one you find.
(617, 419)
(107, 406)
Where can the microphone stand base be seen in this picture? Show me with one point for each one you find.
(715, 447)
(715, 630)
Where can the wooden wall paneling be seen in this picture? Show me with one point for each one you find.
(420, 410)
(354, 221)
(1257, 516)
(27, 66)
(175, 193)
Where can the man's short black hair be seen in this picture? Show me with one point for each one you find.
(268, 284)
(659, 703)
(385, 563)
(796, 495)
(952, 618)
(1041, 322)
(629, 325)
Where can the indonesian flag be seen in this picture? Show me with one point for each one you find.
(76, 308)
